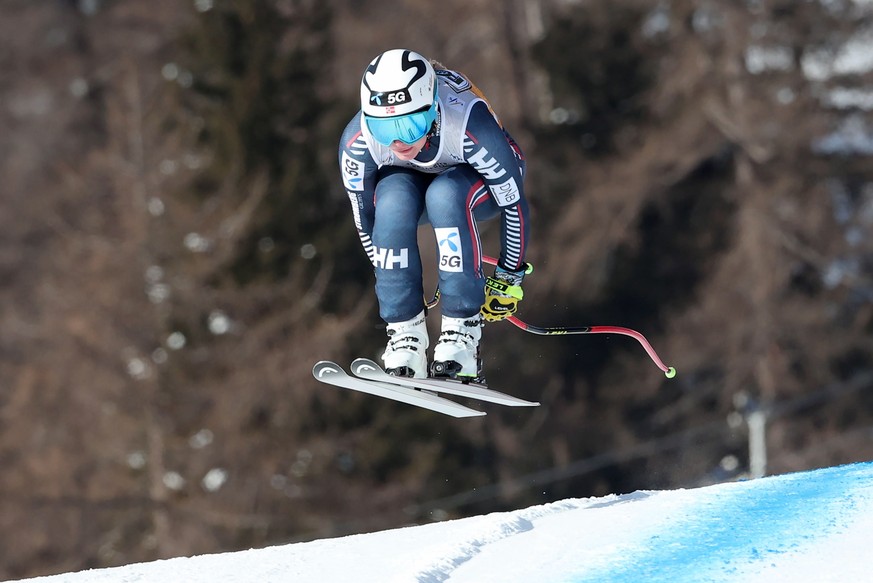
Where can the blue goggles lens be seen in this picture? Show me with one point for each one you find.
(407, 128)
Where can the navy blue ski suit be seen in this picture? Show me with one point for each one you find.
(470, 169)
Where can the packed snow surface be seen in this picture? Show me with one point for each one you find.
(814, 526)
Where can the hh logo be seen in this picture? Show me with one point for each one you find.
(487, 166)
(390, 259)
(449, 246)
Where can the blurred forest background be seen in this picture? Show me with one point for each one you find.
(177, 251)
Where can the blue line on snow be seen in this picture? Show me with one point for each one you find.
(729, 529)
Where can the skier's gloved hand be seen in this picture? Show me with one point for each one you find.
(503, 292)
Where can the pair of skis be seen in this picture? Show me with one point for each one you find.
(368, 377)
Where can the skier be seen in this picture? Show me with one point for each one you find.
(427, 148)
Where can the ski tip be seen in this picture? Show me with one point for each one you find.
(364, 364)
(325, 367)
(670, 373)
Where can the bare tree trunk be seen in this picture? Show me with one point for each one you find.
(524, 25)
(132, 178)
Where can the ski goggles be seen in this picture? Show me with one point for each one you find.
(407, 128)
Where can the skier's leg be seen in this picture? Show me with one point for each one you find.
(399, 205)
(399, 286)
(451, 200)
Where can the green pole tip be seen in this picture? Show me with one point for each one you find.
(670, 373)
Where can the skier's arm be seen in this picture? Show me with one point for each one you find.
(490, 150)
(358, 170)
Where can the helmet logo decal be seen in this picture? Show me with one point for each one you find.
(386, 98)
(419, 67)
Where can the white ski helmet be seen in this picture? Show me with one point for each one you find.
(398, 96)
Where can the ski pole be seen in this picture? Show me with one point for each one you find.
(668, 371)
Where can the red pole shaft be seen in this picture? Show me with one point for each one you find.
(669, 371)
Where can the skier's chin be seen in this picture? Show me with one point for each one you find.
(406, 151)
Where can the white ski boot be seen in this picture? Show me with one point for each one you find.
(456, 353)
(406, 353)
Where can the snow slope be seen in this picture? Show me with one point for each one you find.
(804, 527)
